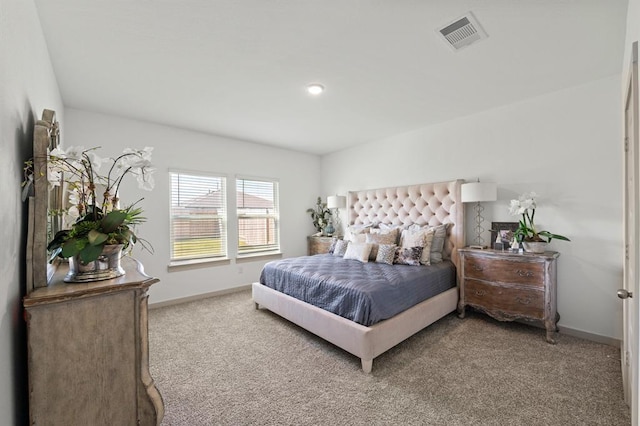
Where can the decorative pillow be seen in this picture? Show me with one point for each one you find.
(408, 256)
(358, 238)
(358, 251)
(356, 233)
(412, 237)
(386, 229)
(332, 247)
(425, 259)
(417, 236)
(341, 248)
(376, 239)
(386, 253)
(437, 246)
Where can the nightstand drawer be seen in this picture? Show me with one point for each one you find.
(504, 270)
(318, 245)
(507, 300)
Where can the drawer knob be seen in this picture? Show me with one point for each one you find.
(478, 268)
(523, 300)
(524, 273)
(480, 292)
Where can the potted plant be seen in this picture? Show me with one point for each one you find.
(320, 215)
(98, 230)
(533, 240)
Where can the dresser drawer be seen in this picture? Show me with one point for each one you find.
(504, 270)
(318, 245)
(509, 300)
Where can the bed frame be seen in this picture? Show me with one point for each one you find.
(426, 204)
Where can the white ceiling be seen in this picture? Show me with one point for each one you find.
(239, 67)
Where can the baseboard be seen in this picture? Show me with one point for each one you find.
(181, 300)
(590, 336)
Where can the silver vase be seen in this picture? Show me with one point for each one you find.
(105, 267)
(535, 246)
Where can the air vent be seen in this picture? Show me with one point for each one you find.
(462, 32)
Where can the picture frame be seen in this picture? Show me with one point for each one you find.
(506, 231)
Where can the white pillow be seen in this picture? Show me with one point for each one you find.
(358, 251)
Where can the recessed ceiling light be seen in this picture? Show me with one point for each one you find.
(315, 88)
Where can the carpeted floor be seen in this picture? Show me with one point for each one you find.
(219, 361)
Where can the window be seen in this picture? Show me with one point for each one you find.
(258, 220)
(198, 216)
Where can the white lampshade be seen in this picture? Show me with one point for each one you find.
(476, 192)
(336, 202)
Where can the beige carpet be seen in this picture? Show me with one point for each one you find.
(221, 362)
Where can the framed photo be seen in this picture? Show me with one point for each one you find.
(505, 231)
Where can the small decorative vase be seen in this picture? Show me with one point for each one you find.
(329, 230)
(105, 267)
(535, 246)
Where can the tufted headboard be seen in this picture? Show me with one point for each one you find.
(425, 204)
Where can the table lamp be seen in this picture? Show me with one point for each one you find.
(477, 192)
(335, 202)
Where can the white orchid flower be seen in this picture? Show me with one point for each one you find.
(146, 181)
(74, 153)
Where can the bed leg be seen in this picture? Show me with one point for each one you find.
(257, 306)
(367, 364)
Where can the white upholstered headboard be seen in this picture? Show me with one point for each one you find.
(424, 204)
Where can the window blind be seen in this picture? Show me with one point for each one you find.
(258, 218)
(198, 216)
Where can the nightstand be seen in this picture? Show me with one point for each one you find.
(510, 286)
(318, 245)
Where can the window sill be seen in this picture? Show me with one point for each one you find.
(258, 256)
(178, 265)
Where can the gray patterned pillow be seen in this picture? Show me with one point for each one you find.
(408, 256)
(437, 245)
(332, 247)
(377, 239)
(386, 253)
(341, 248)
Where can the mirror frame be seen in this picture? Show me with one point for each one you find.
(44, 205)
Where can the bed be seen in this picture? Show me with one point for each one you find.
(430, 204)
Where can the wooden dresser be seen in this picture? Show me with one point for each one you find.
(510, 286)
(318, 245)
(88, 352)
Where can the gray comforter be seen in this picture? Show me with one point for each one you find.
(362, 292)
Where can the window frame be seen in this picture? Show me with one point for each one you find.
(222, 217)
(268, 249)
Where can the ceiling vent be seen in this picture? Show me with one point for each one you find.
(462, 32)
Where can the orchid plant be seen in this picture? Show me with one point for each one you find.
(525, 206)
(94, 216)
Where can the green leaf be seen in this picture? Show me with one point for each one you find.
(551, 236)
(58, 240)
(96, 237)
(71, 247)
(90, 253)
(113, 220)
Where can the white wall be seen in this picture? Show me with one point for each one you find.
(565, 146)
(633, 34)
(27, 86)
(298, 176)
